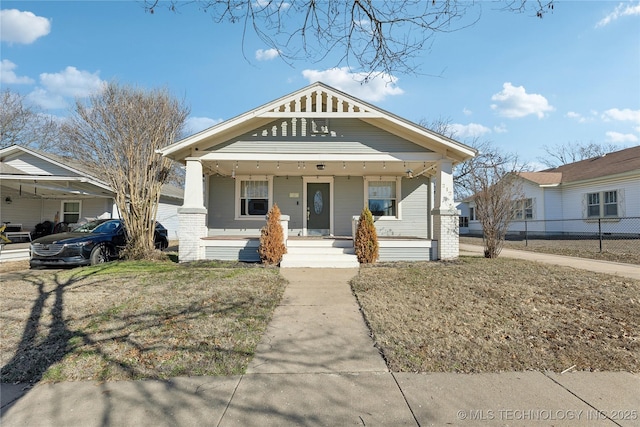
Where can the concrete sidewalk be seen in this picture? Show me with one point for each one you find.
(616, 268)
(317, 366)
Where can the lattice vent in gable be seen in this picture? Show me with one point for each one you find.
(318, 102)
(296, 127)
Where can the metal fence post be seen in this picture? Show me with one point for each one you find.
(526, 234)
(600, 232)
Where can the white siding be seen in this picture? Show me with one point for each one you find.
(168, 216)
(36, 166)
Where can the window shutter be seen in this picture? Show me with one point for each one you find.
(585, 204)
(621, 205)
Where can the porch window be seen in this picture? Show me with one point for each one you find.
(71, 211)
(472, 213)
(253, 197)
(382, 198)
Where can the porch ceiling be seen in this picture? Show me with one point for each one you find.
(320, 167)
(51, 187)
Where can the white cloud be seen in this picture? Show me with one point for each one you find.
(501, 128)
(72, 82)
(267, 55)
(468, 131)
(626, 115)
(377, 87)
(621, 10)
(196, 124)
(466, 111)
(47, 100)
(8, 76)
(515, 102)
(22, 27)
(621, 138)
(69, 83)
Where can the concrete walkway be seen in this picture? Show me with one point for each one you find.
(317, 366)
(607, 267)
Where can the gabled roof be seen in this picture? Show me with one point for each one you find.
(321, 101)
(611, 164)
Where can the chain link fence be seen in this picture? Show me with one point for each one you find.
(615, 239)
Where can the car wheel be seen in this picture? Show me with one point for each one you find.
(99, 255)
(162, 245)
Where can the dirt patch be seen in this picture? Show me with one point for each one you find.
(133, 320)
(480, 315)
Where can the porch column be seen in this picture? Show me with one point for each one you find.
(192, 216)
(445, 215)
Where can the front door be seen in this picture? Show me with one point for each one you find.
(318, 209)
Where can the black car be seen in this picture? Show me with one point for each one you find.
(92, 243)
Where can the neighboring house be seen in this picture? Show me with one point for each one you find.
(321, 155)
(37, 187)
(575, 197)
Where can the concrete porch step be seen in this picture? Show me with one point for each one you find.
(320, 253)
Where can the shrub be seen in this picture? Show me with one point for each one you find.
(272, 246)
(366, 244)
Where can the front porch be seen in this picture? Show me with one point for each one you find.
(319, 252)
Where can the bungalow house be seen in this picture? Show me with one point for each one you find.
(322, 156)
(575, 198)
(36, 187)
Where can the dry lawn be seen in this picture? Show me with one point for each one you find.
(133, 320)
(480, 315)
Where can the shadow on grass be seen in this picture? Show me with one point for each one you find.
(48, 336)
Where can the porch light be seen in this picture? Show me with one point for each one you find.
(409, 173)
(320, 166)
(8, 200)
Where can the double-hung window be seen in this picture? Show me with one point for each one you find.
(382, 198)
(522, 209)
(602, 204)
(253, 197)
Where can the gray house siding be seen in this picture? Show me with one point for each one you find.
(415, 209)
(346, 135)
(238, 250)
(348, 194)
(221, 218)
(285, 190)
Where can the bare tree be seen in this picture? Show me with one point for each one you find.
(117, 133)
(372, 36)
(570, 152)
(24, 124)
(491, 180)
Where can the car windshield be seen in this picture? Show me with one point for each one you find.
(98, 227)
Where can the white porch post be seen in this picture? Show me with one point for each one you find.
(193, 214)
(445, 215)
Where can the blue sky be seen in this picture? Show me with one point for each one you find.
(513, 79)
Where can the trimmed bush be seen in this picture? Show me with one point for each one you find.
(366, 244)
(272, 246)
